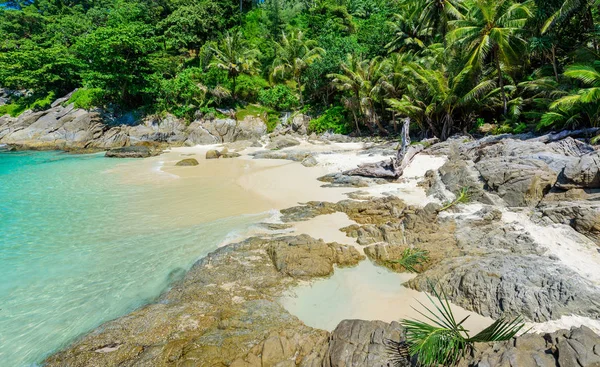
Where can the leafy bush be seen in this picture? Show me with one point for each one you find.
(333, 120)
(249, 87)
(27, 103)
(280, 98)
(86, 98)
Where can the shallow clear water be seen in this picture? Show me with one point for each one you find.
(79, 247)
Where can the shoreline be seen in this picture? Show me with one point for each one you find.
(286, 184)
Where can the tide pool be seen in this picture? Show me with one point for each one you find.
(79, 247)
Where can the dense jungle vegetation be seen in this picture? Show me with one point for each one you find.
(357, 65)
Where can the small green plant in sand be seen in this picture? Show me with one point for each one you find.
(463, 197)
(444, 341)
(411, 258)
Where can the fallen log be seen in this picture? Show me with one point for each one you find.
(393, 168)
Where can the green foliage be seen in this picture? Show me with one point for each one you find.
(23, 104)
(86, 98)
(280, 98)
(412, 258)
(250, 87)
(445, 341)
(332, 120)
(269, 116)
(461, 198)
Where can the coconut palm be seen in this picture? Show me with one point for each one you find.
(567, 10)
(436, 14)
(492, 31)
(294, 55)
(580, 105)
(431, 97)
(234, 55)
(445, 341)
(409, 31)
(362, 80)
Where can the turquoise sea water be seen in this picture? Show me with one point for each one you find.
(77, 248)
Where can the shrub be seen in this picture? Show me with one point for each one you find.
(27, 103)
(280, 98)
(333, 120)
(249, 87)
(86, 98)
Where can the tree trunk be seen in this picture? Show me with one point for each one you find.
(393, 168)
(554, 66)
(233, 86)
(501, 84)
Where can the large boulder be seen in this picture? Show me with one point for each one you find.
(280, 142)
(358, 343)
(582, 173)
(504, 284)
(564, 348)
(303, 256)
(520, 182)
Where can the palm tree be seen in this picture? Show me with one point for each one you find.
(235, 56)
(582, 104)
(431, 97)
(362, 80)
(493, 30)
(437, 14)
(294, 55)
(445, 341)
(567, 10)
(408, 29)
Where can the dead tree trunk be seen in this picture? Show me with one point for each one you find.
(393, 168)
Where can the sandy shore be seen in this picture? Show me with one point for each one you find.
(246, 186)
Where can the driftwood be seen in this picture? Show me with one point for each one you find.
(393, 168)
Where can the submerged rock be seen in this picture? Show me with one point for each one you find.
(213, 154)
(187, 162)
(131, 152)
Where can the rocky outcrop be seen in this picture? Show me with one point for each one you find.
(563, 348)
(358, 343)
(223, 313)
(281, 142)
(132, 152)
(302, 256)
(505, 284)
(66, 127)
(520, 182)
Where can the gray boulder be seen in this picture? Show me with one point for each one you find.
(502, 284)
(281, 142)
(520, 182)
(358, 343)
(583, 173)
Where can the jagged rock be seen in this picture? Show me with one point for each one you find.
(583, 216)
(281, 142)
(230, 155)
(222, 313)
(457, 174)
(213, 154)
(358, 343)
(505, 284)
(310, 161)
(520, 182)
(583, 173)
(563, 348)
(302, 256)
(300, 123)
(131, 152)
(187, 162)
